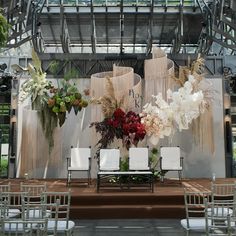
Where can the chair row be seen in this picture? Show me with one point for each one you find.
(20, 213)
(212, 212)
(109, 161)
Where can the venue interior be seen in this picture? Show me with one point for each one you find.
(118, 117)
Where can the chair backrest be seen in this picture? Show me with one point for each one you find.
(138, 159)
(109, 159)
(33, 189)
(195, 203)
(13, 198)
(12, 201)
(58, 203)
(63, 198)
(223, 191)
(170, 158)
(216, 214)
(80, 158)
(5, 187)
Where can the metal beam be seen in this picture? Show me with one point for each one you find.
(65, 38)
(36, 9)
(150, 26)
(79, 29)
(93, 29)
(179, 32)
(107, 36)
(135, 28)
(162, 28)
(121, 27)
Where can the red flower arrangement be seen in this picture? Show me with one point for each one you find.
(121, 125)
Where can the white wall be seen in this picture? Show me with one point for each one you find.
(197, 163)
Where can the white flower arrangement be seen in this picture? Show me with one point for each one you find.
(37, 85)
(163, 118)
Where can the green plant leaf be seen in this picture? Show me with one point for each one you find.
(62, 118)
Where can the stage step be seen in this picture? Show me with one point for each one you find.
(136, 205)
(128, 212)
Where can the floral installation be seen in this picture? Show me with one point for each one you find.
(63, 99)
(177, 113)
(121, 125)
(37, 86)
(52, 103)
(117, 123)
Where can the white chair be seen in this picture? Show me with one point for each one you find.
(139, 159)
(139, 165)
(80, 160)
(58, 203)
(195, 210)
(108, 164)
(170, 160)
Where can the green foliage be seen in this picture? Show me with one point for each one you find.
(3, 167)
(65, 98)
(54, 67)
(124, 164)
(4, 27)
(71, 74)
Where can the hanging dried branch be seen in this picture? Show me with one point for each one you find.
(198, 66)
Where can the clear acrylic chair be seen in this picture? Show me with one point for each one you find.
(58, 221)
(195, 210)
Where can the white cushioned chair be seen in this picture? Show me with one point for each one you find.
(171, 160)
(79, 161)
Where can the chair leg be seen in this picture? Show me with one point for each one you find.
(162, 178)
(89, 177)
(98, 183)
(68, 177)
(180, 175)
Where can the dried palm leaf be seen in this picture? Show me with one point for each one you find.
(108, 102)
(198, 66)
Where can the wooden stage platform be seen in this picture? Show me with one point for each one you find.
(167, 200)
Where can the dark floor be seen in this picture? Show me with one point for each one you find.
(131, 227)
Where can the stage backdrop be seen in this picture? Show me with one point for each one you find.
(31, 146)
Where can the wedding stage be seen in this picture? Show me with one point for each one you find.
(167, 200)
